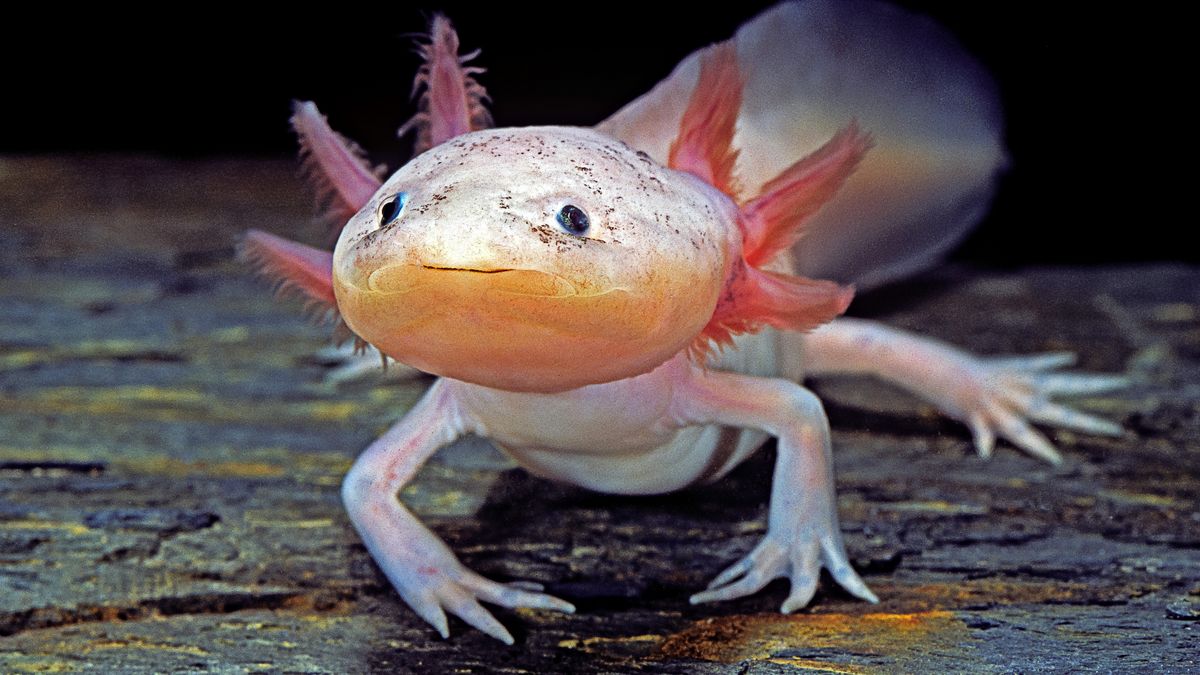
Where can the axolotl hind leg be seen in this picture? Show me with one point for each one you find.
(420, 566)
(993, 396)
(803, 534)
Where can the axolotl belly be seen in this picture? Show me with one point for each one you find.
(621, 308)
(617, 437)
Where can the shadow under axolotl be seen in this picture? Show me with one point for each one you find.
(627, 562)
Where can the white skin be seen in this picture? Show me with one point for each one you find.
(650, 433)
(617, 437)
(660, 431)
(599, 436)
(996, 397)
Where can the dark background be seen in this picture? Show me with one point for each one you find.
(1081, 118)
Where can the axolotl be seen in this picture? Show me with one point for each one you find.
(622, 307)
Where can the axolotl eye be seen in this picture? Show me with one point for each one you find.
(573, 219)
(391, 209)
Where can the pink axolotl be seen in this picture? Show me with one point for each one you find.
(602, 303)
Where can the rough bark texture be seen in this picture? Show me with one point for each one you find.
(170, 460)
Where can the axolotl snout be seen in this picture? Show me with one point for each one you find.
(609, 304)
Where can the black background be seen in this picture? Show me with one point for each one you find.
(1083, 121)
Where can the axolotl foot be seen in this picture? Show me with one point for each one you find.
(995, 397)
(432, 580)
(800, 560)
(1000, 396)
(432, 591)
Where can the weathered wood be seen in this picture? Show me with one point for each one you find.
(170, 455)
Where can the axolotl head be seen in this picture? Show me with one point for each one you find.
(535, 259)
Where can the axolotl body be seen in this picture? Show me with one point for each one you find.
(608, 304)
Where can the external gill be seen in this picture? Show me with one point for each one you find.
(335, 167)
(769, 222)
(296, 268)
(452, 101)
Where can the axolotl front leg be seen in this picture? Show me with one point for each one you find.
(422, 568)
(803, 534)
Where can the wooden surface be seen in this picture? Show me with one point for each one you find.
(170, 458)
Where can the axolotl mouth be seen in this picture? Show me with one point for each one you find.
(406, 278)
(516, 329)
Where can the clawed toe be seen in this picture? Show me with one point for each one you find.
(463, 595)
(1058, 415)
(1013, 392)
(747, 576)
(801, 563)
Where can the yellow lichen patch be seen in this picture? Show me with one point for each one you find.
(272, 519)
(20, 359)
(30, 663)
(934, 506)
(823, 667)
(231, 334)
(428, 500)
(586, 643)
(56, 453)
(137, 643)
(221, 461)
(315, 464)
(972, 593)
(449, 500)
(769, 636)
(106, 348)
(325, 620)
(30, 524)
(169, 404)
(1136, 498)
(331, 411)
(139, 401)
(169, 466)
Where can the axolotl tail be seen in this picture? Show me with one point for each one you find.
(809, 68)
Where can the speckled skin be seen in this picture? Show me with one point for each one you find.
(634, 290)
(571, 350)
(551, 345)
(660, 242)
